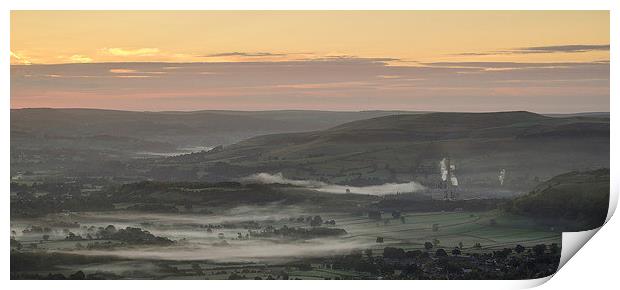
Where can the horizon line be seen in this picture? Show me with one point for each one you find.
(281, 61)
(304, 110)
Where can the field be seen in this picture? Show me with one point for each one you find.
(214, 246)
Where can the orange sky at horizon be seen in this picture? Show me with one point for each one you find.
(47, 37)
(542, 61)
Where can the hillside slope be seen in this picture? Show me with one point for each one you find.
(577, 200)
(196, 128)
(530, 147)
(82, 141)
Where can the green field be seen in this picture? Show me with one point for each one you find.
(454, 227)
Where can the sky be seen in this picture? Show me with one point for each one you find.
(541, 61)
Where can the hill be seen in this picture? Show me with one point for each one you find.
(576, 200)
(80, 140)
(398, 148)
(196, 128)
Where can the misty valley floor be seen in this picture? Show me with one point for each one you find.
(240, 243)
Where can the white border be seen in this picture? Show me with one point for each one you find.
(594, 265)
(311, 5)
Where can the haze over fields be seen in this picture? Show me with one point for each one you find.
(305, 145)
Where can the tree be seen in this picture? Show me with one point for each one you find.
(110, 228)
(503, 254)
(519, 249)
(540, 249)
(284, 275)
(441, 253)
(73, 237)
(460, 245)
(393, 253)
(413, 270)
(456, 252)
(79, 275)
(428, 245)
(436, 242)
(46, 237)
(316, 221)
(16, 244)
(453, 268)
(554, 249)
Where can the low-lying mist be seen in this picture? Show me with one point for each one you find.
(236, 214)
(383, 189)
(194, 241)
(239, 251)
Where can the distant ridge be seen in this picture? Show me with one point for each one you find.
(194, 128)
(405, 147)
(435, 121)
(584, 114)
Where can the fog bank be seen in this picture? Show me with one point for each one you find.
(383, 189)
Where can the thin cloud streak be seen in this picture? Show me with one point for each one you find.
(572, 48)
(564, 48)
(247, 54)
(132, 52)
